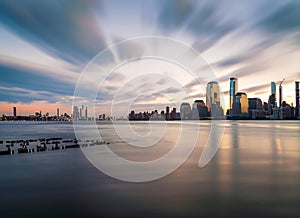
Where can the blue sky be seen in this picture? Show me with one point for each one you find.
(45, 45)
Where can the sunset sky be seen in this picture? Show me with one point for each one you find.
(46, 45)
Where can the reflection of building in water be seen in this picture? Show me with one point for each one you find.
(185, 111)
(235, 157)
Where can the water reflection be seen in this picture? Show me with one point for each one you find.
(255, 173)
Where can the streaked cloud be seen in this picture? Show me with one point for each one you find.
(67, 29)
(251, 40)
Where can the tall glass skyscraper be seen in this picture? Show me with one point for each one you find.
(273, 89)
(212, 94)
(233, 90)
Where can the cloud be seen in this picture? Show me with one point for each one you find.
(241, 72)
(15, 94)
(195, 96)
(25, 79)
(115, 77)
(67, 29)
(283, 20)
(262, 88)
(205, 19)
(233, 60)
(162, 81)
(171, 90)
(257, 88)
(51, 72)
(192, 85)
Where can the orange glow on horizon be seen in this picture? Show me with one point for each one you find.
(36, 106)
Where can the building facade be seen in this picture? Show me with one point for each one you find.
(241, 105)
(212, 94)
(233, 90)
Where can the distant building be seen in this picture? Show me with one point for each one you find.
(271, 104)
(256, 108)
(185, 111)
(280, 95)
(272, 99)
(233, 90)
(167, 113)
(297, 94)
(240, 106)
(75, 112)
(81, 111)
(199, 110)
(213, 100)
(212, 94)
(255, 103)
(216, 111)
(57, 112)
(86, 113)
(173, 114)
(15, 111)
(273, 89)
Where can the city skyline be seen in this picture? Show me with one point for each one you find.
(213, 105)
(242, 107)
(40, 66)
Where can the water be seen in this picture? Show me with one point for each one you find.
(255, 173)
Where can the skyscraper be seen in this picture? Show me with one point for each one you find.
(297, 86)
(272, 98)
(82, 110)
(86, 112)
(280, 92)
(57, 112)
(233, 90)
(75, 112)
(241, 103)
(273, 89)
(167, 113)
(80, 113)
(15, 111)
(212, 94)
(280, 95)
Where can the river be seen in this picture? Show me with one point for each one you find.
(255, 173)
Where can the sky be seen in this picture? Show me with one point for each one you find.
(47, 46)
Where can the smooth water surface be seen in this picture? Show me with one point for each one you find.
(255, 173)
